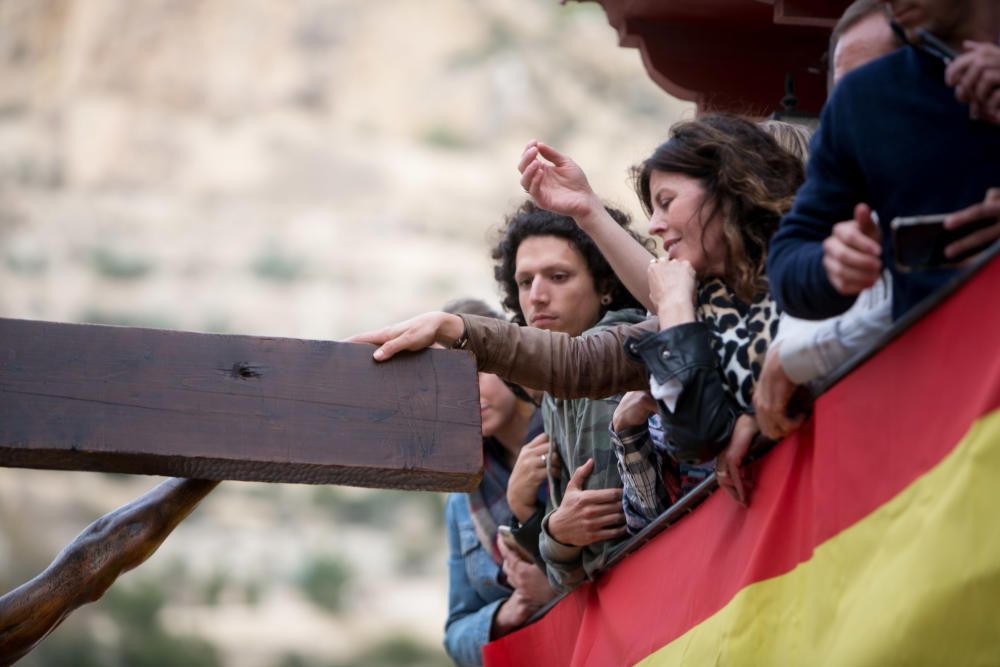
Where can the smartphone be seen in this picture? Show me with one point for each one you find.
(508, 538)
(919, 241)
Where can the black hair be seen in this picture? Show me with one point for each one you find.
(530, 220)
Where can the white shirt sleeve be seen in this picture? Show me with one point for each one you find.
(813, 349)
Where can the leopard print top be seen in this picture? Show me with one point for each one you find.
(741, 334)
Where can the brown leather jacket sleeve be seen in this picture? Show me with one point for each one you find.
(591, 366)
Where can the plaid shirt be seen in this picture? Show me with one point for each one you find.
(578, 430)
(652, 480)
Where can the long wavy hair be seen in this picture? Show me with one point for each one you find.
(530, 220)
(749, 181)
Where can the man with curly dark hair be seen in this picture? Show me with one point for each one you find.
(552, 276)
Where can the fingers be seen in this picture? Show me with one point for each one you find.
(860, 234)
(402, 343)
(990, 108)
(730, 478)
(851, 256)
(989, 208)
(376, 337)
(988, 80)
(528, 156)
(609, 497)
(956, 70)
(729, 465)
(390, 340)
(633, 410)
(848, 280)
(609, 533)
(539, 442)
(530, 175)
(867, 226)
(505, 552)
(551, 154)
(974, 72)
(776, 425)
(977, 239)
(579, 478)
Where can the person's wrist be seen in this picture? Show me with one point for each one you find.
(590, 216)
(521, 509)
(673, 310)
(555, 527)
(452, 332)
(620, 422)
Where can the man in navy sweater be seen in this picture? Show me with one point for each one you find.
(893, 139)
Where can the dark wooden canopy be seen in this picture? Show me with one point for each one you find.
(731, 55)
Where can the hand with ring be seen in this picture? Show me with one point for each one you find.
(530, 472)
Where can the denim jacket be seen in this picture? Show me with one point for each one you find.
(474, 594)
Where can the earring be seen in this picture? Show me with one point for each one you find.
(606, 300)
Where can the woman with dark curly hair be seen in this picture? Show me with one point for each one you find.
(553, 276)
(715, 192)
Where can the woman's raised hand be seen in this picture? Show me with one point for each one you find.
(672, 288)
(555, 182)
(414, 334)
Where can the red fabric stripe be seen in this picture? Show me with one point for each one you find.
(890, 421)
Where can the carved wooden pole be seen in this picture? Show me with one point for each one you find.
(83, 571)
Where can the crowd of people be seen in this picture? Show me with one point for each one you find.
(623, 379)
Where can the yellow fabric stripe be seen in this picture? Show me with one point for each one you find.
(917, 582)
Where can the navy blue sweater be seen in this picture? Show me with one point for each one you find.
(892, 136)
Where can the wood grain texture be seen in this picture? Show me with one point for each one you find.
(207, 406)
(84, 570)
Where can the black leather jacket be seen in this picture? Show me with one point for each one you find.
(701, 424)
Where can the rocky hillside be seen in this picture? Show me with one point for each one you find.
(306, 168)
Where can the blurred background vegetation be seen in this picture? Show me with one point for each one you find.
(308, 169)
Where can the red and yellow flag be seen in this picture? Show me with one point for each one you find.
(873, 536)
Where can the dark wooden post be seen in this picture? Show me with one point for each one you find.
(83, 571)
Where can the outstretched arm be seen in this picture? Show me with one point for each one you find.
(415, 334)
(557, 184)
(591, 366)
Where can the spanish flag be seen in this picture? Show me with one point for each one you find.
(873, 536)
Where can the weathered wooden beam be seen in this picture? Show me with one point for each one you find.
(116, 399)
(84, 570)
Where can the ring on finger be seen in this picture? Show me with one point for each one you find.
(544, 458)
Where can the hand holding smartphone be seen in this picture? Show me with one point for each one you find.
(919, 242)
(511, 543)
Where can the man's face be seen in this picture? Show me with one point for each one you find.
(863, 42)
(944, 18)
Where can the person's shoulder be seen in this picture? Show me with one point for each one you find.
(614, 318)
(456, 504)
(880, 75)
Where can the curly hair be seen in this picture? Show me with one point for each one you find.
(747, 177)
(530, 220)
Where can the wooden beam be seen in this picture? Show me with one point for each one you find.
(116, 399)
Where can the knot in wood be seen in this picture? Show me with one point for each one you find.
(245, 370)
